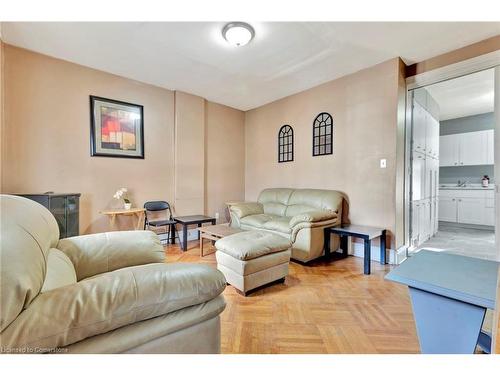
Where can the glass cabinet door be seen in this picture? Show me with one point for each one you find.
(72, 211)
(58, 209)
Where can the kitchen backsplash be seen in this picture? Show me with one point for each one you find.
(471, 173)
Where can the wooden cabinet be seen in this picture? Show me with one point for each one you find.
(64, 207)
(473, 148)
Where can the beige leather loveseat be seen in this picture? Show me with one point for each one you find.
(102, 293)
(298, 214)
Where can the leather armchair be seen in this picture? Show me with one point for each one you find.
(102, 293)
(298, 214)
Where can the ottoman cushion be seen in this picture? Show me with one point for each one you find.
(252, 244)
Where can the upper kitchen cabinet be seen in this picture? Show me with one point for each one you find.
(473, 148)
(425, 127)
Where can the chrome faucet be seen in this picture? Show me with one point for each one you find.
(462, 184)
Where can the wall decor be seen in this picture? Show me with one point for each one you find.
(285, 144)
(117, 128)
(323, 134)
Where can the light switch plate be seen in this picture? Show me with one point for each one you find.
(383, 163)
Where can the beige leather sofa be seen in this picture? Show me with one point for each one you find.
(298, 214)
(102, 293)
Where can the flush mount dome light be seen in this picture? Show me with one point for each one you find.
(238, 33)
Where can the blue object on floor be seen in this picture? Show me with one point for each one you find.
(450, 294)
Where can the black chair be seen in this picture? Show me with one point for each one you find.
(168, 222)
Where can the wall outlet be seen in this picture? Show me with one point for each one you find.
(383, 163)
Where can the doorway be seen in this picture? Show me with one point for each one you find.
(452, 166)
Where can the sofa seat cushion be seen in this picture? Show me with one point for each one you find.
(279, 224)
(258, 220)
(137, 334)
(252, 244)
(109, 301)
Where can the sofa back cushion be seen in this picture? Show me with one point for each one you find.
(60, 271)
(275, 200)
(307, 200)
(28, 231)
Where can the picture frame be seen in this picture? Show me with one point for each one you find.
(116, 128)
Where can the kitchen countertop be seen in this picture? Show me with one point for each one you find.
(467, 187)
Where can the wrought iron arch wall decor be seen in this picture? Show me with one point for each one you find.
(285, 144)
(323, 134)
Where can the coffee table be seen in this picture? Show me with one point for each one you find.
(214, 233)
(185, 221)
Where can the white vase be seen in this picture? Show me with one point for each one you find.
(127, 206)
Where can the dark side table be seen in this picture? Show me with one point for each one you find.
(185, 221)
(358, 231)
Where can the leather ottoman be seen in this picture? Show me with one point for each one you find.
(253, 258)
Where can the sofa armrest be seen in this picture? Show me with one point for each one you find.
(100, 304)
(240, 210)
(103, 252)
(313, 217)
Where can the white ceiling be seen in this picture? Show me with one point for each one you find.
(283, 59)
(465, 96)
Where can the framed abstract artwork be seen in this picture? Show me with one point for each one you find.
(116, 128)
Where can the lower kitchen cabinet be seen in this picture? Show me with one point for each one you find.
(447, 209)
(471, 211)
(467, 206)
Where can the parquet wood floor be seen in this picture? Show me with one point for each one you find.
(324, 307)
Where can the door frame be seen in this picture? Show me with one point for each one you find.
(462, 68)
(459, 69)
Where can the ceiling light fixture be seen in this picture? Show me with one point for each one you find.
(238, 33)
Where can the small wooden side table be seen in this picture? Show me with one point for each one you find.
(359, 231)
(214, 233)
(113, 213)
(185, 221)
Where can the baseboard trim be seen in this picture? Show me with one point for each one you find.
(393, 256)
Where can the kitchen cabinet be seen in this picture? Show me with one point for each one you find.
(470, 211)
(419, 128)
(421, 226)
(418, 176)
(490, 147)
(467, 206)
(473, 148)
(425, 167)
(447, 209)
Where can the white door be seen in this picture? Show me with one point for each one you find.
(418, 176)
(447, 209)
(470, 210)
(490, 147)
(448, 150)
(419, 125)
(473, 148)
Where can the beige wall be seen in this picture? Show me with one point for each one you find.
(225, 155)
(189, 154)
(364, 107)
(47, 126)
